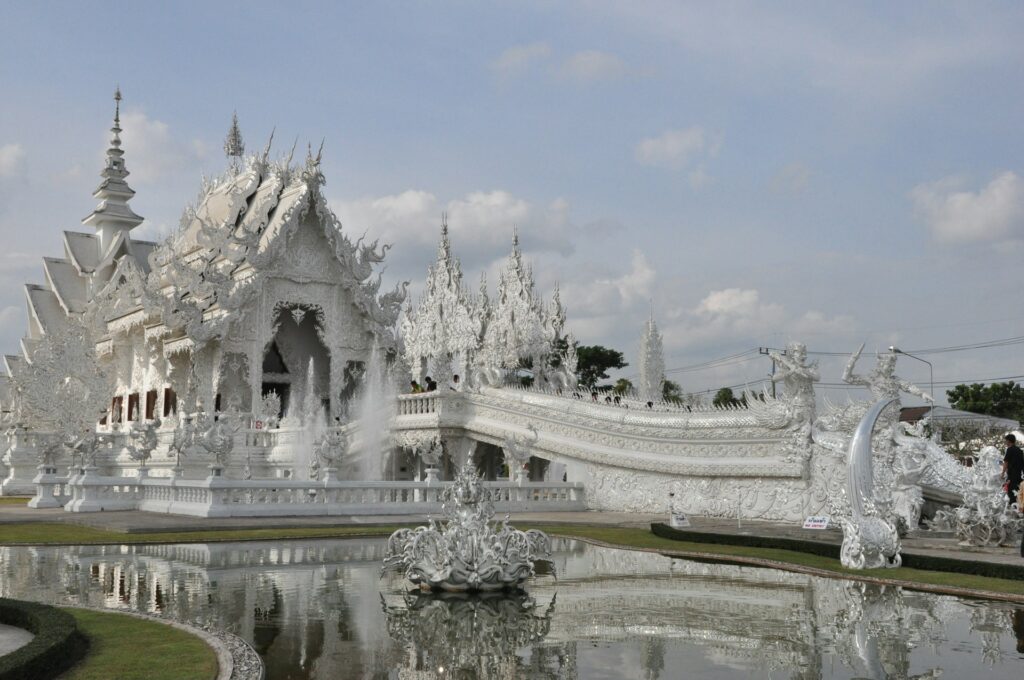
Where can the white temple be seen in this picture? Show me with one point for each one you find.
(250, 364)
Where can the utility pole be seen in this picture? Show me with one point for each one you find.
(766, 351)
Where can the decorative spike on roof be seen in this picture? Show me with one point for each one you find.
(113, 213)
(234, 146)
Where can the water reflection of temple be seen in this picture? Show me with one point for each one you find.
(313, 609)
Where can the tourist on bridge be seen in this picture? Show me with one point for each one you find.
(415, 386)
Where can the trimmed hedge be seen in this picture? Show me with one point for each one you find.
(912, 561)
(57, 646)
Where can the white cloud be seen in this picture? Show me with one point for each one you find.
(12, 158)
(729, 302)
(152, 152)
(518, 59)
(593, 65)
(675, 149)
(480, 224)
(601, 299)
(792, 178)
(994, 212)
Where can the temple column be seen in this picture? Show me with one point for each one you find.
(254, 360)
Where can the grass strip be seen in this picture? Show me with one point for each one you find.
(14, 500)
(130, 648)
(903, 576)
(57, 533)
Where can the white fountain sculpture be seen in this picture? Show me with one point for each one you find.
(329, 451)
(468, 551)
(870, 540)
(985, 518)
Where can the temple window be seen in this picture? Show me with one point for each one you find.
(116, 409)
(150, 405)
(170, 402)
(133, 406)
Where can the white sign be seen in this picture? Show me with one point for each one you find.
(678, 520)
(814, 522)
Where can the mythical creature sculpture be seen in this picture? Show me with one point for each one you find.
(429, 450)
(467, 551)
(985, 518)
(331, 448)
(270, 409)
(870, 540)
(882, 380)
(183, 441)
(794, 411)
(219, 439)
(143, 441)
(910, 467)
(517, 451)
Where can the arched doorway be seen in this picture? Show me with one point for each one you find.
(297, 341)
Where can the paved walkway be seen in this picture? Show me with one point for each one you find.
(12, 638)
(129, 522)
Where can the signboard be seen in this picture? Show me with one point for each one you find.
(678, 520)
(816, 522)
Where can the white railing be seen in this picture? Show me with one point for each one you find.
(221, 497)
(418, 404)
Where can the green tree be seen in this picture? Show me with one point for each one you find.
(622, 387)
(1003, 400)
(672, 392)
(594, 363)
(725, 397)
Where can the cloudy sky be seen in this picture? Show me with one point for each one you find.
(755, 173)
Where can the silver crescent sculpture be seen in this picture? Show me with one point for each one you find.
(870, 540)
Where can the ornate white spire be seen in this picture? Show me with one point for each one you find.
(113, 214)
(234, 147)
(445, 323)
(517, 327)
(651, 363)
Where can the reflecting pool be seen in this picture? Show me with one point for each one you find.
(318, 609)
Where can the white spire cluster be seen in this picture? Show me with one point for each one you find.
(446, 325)
(452, 328)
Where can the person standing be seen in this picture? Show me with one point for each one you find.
(1013, 467)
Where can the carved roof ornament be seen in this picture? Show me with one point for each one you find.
(651, 362)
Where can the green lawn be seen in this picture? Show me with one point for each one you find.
(14, 500)
(128, 648)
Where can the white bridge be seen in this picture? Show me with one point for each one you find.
(628, 457)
